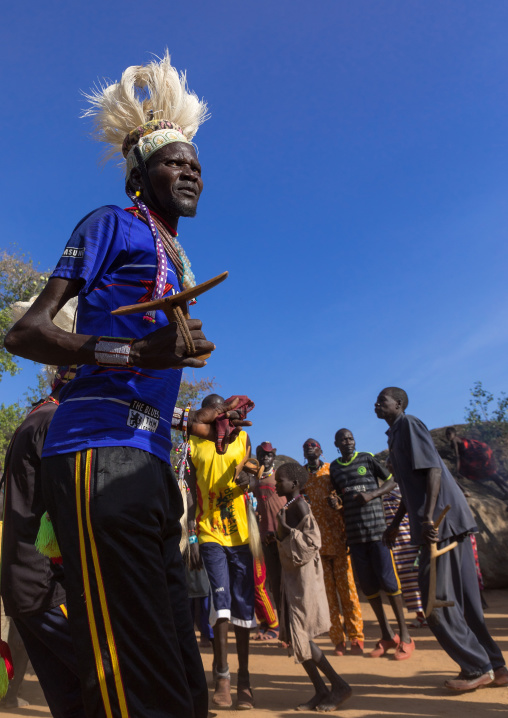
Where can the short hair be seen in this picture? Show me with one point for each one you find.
(340, 432)
(294, 472)
(212, 399)
(398, 394)
(449, 429)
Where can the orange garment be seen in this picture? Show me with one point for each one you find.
(337, 569)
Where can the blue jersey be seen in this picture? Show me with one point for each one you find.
(114, 254)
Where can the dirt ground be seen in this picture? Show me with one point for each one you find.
(381, 687)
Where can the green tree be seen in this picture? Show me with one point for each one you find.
(486, 413)
(19, 281)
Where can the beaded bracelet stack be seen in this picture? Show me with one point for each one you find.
(185, 420)
(180, 420)
(113, 351)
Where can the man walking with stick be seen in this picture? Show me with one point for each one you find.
(427, 488)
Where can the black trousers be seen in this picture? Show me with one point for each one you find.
(461, 629)
(116, 514)
(49, 646)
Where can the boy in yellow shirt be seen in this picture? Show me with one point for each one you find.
(219, 538)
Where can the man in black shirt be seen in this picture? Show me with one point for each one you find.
(31, 584)
(355, 478)
(427, 487)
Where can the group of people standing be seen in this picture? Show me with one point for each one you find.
(118, 600)
(354, 514)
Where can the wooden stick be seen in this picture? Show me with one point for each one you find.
(176, 309)
(181, 298)
(434, 602)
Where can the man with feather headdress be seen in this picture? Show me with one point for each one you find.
(107, 482)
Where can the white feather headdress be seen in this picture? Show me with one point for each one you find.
(156, 91)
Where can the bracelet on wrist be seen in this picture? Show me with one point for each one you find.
(113, 351)
(428, 522)
(193, 539)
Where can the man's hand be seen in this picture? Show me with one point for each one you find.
(243, 480)
(429, 533)
(195, 557)
(165, 347)
(391, 534)
(334, 501)
(363, 497)
(201, 422)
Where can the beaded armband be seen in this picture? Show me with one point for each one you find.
(185, 419)
(113, 351)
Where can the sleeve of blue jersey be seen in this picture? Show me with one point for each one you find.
(93, 245)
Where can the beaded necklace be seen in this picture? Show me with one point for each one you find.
(314, 470)
(166, 245)
(47, 400)
(293, 499)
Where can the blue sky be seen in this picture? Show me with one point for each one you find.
(356, 189)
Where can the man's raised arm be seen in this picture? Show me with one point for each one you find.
(36, 337)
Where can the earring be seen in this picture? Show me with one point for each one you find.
(138, 193)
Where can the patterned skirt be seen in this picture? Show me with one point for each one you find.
(404, 555)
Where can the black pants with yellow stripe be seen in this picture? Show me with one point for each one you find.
(116, 514)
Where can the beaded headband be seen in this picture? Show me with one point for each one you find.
(149, 138)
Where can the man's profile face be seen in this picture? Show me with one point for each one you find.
(345, 442)
(386, 407)
(175, 174)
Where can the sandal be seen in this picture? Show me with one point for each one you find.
(270, 634)
(261, 632)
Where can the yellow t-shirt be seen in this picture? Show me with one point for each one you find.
(221, 514)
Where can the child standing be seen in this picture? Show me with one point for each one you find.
(304, 607)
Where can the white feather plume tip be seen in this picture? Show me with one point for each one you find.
(153, 91)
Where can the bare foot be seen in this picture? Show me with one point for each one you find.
(337, 696)
(314, 702)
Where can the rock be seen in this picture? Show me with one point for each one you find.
(283, 459)
(492, 520)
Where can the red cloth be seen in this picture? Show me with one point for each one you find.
(269, 505)
(476, 459)
(224, 426)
